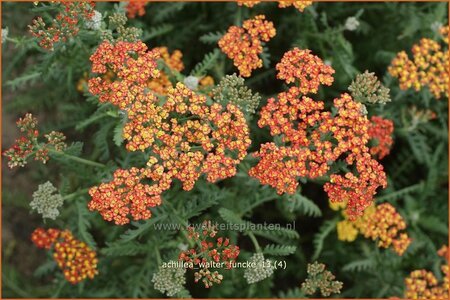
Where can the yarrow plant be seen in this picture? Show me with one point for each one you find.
(320, 279)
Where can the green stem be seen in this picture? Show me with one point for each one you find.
(78, 159)
(158, 256)
(254, 241)
(69, 196)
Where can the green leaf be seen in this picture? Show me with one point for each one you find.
(320, 237)
(359, 265)
(84, 225)
(118, 136)
(298, 202)
(279, 250)
(207, 63)
(212, 37)
(124, 249)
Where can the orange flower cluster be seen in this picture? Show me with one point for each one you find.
(127, 195)
(381, 131)
(133, 66)
(422, 284)
(385, 226)
(298, 4)
(65, 24)
(209, 249)
(306, 69)
(248, 3)
(303, 125)
(429, 67)
(173, 61)
(136, 8)
(75, 258)
(186, 135)
(244, 44)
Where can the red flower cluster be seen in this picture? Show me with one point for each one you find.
(313, 138)
(380, 131)
(127, 195)
(27, 146)
(65, 24)
(209, 249)
(133, 66)
(244, 44)
(306, 69)
(186, 135)
(136, 8)
(75, 258)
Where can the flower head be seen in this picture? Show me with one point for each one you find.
(77, 260)
(244, 44)
(320, 279)
(169, 280)
(380, 131)
(260, 269)
(298, 4)
(306, 69)
(95, 22)
(46, 202)
(366, 88)
(136, 8)
(351, 24)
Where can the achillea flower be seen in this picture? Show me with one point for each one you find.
(351, 24)
(118, 31)
(232, 89)
(46, 202)
(127, 195)
(263, 269)
(173, 62)
(366, 88)
(244, 44)
(305, 69)
(95, 22)
(169, 280)
(421, 284)
(444, 31)
(77, 260)
(298, 4)
(4, 34)
(136, 8)
(133, 66)
(209, 250)
(28, 145)
(385, 226)
(380, 131)
(346, 231)
(427, 68)
(44, 238)
(65, 25)
(320, 279)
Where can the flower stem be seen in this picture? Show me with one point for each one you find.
(78, 159)
(254, 241)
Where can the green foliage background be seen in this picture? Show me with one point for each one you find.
(44, 83)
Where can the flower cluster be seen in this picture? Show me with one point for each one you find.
(65, 25)
(298, 4)
(169, 281)
(385, 226)
(133, 66)
(305, 69)
(244, 44)
(380, 131)
(366, 88)
(95, 22)
(378, 222)
(248, 3)
(117, 31)
(427, 68)
(422, 284)
(260, 269)
(127, 195)
(320, 279)
(231, 89)
(209, 252)
(74, 257)
(46, 202)
(303, 125)
(28, 145)
(173, 62)
(136, 8)
(186, 135)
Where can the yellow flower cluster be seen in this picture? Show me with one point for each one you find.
(429, 66)
(161, 84)
(381, 223)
